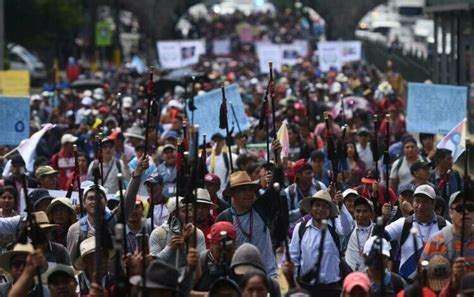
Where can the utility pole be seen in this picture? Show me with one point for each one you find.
(2, 35)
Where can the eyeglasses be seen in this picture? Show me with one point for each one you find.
(460, 207)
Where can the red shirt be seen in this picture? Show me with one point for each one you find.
(65, 165)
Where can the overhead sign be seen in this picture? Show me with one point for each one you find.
(103, 34)
(177, 54)
(435, 108)
(14, 119)
(208, 105)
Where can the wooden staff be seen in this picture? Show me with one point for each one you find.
(223, 124)
(466, 193)
(387, 159)
(149, 85)
(375, 147)
(33, 229)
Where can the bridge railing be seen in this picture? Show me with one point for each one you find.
(413, 65)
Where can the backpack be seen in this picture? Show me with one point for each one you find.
(408, 224)
(292, 193)
(227, 215)
(344, 268)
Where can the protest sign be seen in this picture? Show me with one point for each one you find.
(14, 119)
(221, 47)
(258, 149)
(208, 105)
(280, 54)
(435, 108)
(15, 83)
(268, 52)
(337, 53)
(176, 54)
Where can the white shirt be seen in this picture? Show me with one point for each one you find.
(306, 255)
(355, 247)
(403, 174)
(365, 154)
(161, 214)
(221, 170)
(425, 232)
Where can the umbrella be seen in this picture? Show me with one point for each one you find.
(185, 74)
(86, 84)
(351, 104)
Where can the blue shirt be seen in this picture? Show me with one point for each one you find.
(306, 255)
(168, 173)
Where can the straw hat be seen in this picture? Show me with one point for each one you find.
(87, 247)
(322, 196)
(203, 196)
(18, 249)
(238, 179)
(61, 201)
(41, 219)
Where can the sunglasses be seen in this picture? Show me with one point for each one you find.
(460, 207)
(18, 264)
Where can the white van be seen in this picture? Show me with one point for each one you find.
(19, 58)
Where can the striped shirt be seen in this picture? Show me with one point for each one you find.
(450, 247)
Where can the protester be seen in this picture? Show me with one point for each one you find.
(204, 219)
(22, 263)
(63, 161)
(61, 213)
(8, 202)
(445, 242)
(446, 179)
(356, 284)
(382, 281)
(158, 209)
(400, 173)
(426, 222)
(47, 177)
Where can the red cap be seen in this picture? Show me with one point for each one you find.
(212, 178)
(299, 165)
(104, 109)
(356, 279)
(114, 135)
(216, 229)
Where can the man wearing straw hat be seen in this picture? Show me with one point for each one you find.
(204, 218)
(305, 245)
(14, 262)
(251, 217)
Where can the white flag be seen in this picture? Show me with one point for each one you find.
(27, 147)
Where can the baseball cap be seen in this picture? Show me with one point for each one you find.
(38, 195)
(169, 146)
(439, 272)
(406, 188)
(454, 196)
(154, 179)
(361, 200)
(301, 165)
(127, 102)
(348, 192)
(212, 179)
(425, 190)
(418, 165)
(59, 269)
(356, 279)
(45, 170)
(370, 243)
(363, 130)
(219, 227)
(68, 138)
(172, 135)
(87, 101)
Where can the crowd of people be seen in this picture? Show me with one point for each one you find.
(113, 206)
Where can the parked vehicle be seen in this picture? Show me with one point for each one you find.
(19, 58)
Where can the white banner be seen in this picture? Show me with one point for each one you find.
(268, 52)
(221, 47)
(280, 54)
(337, 53)
(176, 54)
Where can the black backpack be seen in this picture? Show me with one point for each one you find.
(408, 224)
(344, 268)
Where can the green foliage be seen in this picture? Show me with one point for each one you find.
(42, 23)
